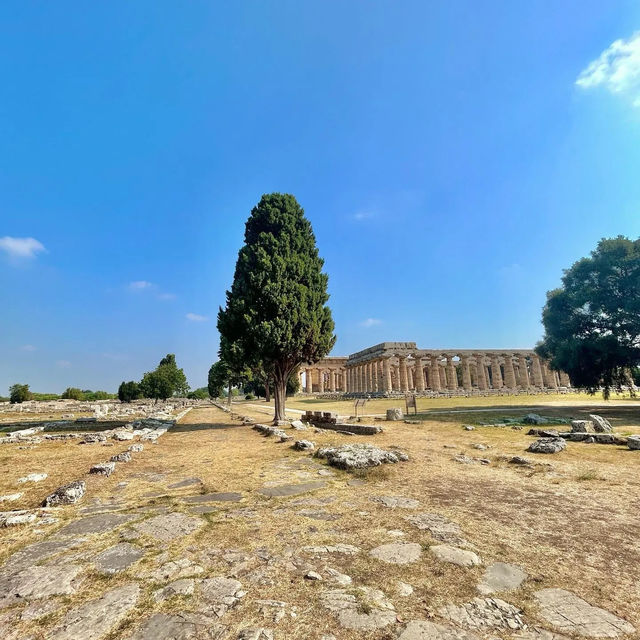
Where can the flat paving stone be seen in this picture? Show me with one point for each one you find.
(425, 630)
(166, 527)
(501, 576)
(351, 614)
(484, 614)
(454, 555)
(319, 515)
(397, 502)
(37, 552)
(221, 593)
(117, 558)
(570, 614)
(179, 626)
(214, 497)
(292, 489)
(204, 508)
(187, 482)
(184, 587)
(398, 552)
(95, 619)
(96, 524)
(173, 570)
(40, 581)
(440, 527)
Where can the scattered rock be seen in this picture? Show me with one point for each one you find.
(103, 468)
(501, 576)
(187, 482)
(298, 425)
(184, 587)
(11, 497)
(534, 418)
(600, 424)
(484, 614)
(125, 456)
(633, 442)
(180, 626)
(519, 460)
(362, 609)
(571, 614)
(403, 589)
(438, 526)
(397, 552)
(99, 523)
(67, 494)
(166, 527)
(292, 489)
(221, 593)
(338, 578)
(347, 549)
(548, 445)
(173, 570)
(425, 630)
(96, 618)
(136, 448)
(454, 555)
(259, 633)
(395, 414)
(33, 477)
(394, 502)
(468, 427)
(117, 558)
(40, 581)
(312, 575)
(582, 426)
(304, 445)
(479, 446)
(359, 456)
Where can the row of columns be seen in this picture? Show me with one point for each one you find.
(322, 379)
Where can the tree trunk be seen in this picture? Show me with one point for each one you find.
(267, 392)
(280, 395)
(229, 396)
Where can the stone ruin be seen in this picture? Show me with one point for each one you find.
(329, 420)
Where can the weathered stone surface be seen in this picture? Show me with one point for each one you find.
(397, 502)
(547, 445)
(221, 593)
(103, 468)
(359, 456)
(570, 614)
(67, 494)
(537, 633)
(13, 518)
(454, 555)
(484, 614)
(125, 456)
(36, 553)
(319, 515)
(122, 436)
(292, 489)
(117, 558)
(184, 587)
(38, 609)
(501, 576)
(174, 570)
(534, 418)
(633, 442)
(397, 552)
(96, 524)
(166, 527)
(256, 633)
(347, 549)
(180, 626)
(336, 577)
(582, 426)
(298, 425)
(519, 460)
(96, 618)
(425, 630)
(187, 482)
(600, 424)
(378, 613)
(403, 589)
(438, 526)
(136, 448)
(214, 497)
(39, 582)
(33, 477)
(304, 445)
(395, 414)
(11, 497)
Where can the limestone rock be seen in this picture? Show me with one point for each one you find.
(298, 425)
(67, 494)
(11, 497)
(103, 468)
(39, 582)
(184, 587)
(117, 558)
(96, 618)
(484, 614)
(454, 555)
(347, 549)
(438, 526)
(519, 460)
(125, 456)
(359, 456)
(166, 527)
(501, 576)
(362, 609)
(180, 626)
(33, 477)
(292, 489)
(174, 570)
(582, 426)
(136, 448)
(403, 589)
(548, 445)
(600, 424)
(397, 502)
(426, 630)
(397, 552)
(534, 418)
(221, 593)
(570, 614)
(258, 633)
(304, 445)
(394, 414)
(633, 442)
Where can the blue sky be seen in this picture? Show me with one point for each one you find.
(453, 158)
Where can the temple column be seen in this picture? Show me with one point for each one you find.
(536, 370)
(452, 382)
(404, 379)
(549, 376)
(321, 380)
(466, 373)
(381, 387)
(509, 372)
(434, 375)
(396, 377)
(523, 372)
(496, 374)
(308, 381)
(419, 377)
(566, 382)
(386, 375)
(332, 380)
(374, 376)
(480, 372)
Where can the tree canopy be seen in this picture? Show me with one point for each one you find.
(592, 322)
(72, 393)
(128, 391)
(276, 314)
(19, 393)
(165, 381)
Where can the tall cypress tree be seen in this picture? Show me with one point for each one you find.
(276, 314)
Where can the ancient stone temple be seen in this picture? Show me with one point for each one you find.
(400, 367)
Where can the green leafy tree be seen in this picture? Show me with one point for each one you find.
(201, 393)
(128, 391)
(19, 393)
(157, 384)
(176, 375)
(276, 313)
(592, 322)
(217, 379)
(72, 393)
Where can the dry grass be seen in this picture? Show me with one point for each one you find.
(570, 521)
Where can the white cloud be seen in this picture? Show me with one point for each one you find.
(194, 317)
(27, 347)
(617, 69)
(140, 285)
(63, 364)
(21, 248)
(362, 215)
(370, 322)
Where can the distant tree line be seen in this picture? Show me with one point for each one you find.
(21, 393)
(165, 381)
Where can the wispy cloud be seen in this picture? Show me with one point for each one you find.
(21, 248)
(617, 69)
(63, 364)
(360, 216)
(27, 347)
(166, 296)
(370, 322)
(140, 285)
(195, 317)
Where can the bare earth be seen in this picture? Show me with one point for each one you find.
(195, 512)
